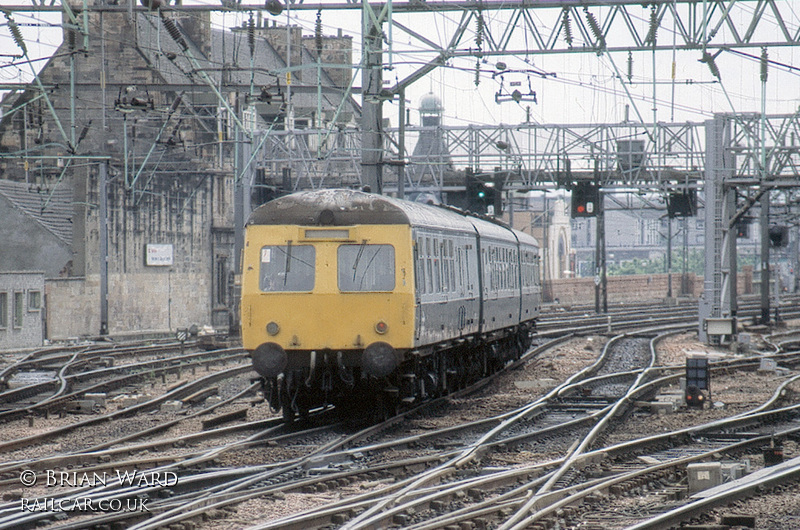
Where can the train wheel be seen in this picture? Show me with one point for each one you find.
(286, 403)
(288, 414)
(303, 400)
(388, 405)
(447, 377)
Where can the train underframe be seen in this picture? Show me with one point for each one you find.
(426, 373)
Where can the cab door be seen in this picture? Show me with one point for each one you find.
(419, 280)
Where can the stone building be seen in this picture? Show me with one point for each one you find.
(430, 163)
(131, 141)
(21, 309)
(546, 217)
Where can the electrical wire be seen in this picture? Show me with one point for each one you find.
(444, 18)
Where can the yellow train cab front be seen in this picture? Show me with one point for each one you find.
(316, 289)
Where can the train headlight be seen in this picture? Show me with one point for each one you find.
(381, 327)
(269, 359)
(379, 359)
(273, 328)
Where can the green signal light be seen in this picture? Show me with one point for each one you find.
(481, 194)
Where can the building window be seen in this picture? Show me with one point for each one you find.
(3, 310)
(221, 291)
(19, 306)
(34, 300)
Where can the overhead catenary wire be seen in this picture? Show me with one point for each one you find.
(608, 90)
(21, 43)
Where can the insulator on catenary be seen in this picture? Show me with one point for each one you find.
(251, 35)
(479, 32)
(16, 34)
(175, 104)
(595, 27)
(84, 132)
(477, 72)
(653, 30)
(567, 26)
(764, 65)
(318, 33)
(712, 65)
(71, 38)
(174, 32)
(630, 66)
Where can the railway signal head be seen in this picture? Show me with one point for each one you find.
(480, 194)
(694, 397)
(585, 200)
(778, 236)
(682, 203)
(698, 378)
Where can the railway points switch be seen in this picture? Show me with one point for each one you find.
(171, 406)
(98, 397)
(704, 475)
(81, 406)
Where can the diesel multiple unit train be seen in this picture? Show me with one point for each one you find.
(352, 298)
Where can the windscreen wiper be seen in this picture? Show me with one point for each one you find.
(288, 262)
(358, 257)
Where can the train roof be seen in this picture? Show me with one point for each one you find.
(343, 207)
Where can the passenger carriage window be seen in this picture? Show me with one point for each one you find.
(496, 268)
(467, 277)
(366, 267)
(493, 268)
(528, 272)
(429, 275)
(460, 268)
(504, 268)
(488, 273)
(420, 255)
(452, 273)
(445, 274)
(437, 276)
(525, 269)
(287, 268)
(443, 267)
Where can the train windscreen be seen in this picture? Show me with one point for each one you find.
(366, 267)
(287, 268)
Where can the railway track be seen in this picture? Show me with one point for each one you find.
(388, 475)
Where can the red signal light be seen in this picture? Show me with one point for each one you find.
(584, 199)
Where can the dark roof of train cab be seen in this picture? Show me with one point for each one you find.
(342, 207)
